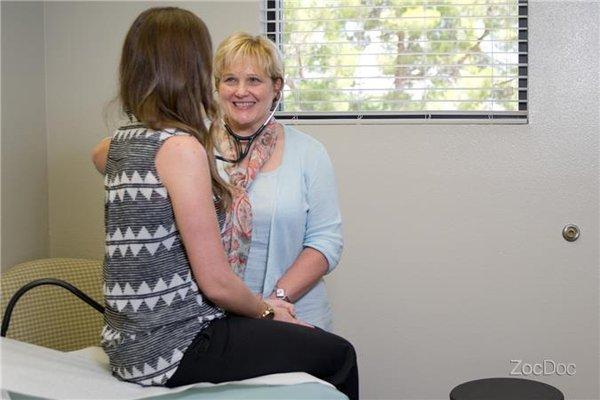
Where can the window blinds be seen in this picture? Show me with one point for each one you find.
(401, 59)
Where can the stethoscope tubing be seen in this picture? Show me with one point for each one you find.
(250, 139)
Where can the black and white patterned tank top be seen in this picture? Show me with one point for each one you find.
(154, 308)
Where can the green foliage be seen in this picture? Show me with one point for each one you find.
(400, 55)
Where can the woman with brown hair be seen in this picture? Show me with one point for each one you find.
(175, 311)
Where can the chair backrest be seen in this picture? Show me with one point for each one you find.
(50, 316)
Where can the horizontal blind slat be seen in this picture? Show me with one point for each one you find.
(288, 7)
(432, 53)
(405, 101)
(406, 77)
(516, 28)
(459, 17)
(415, 65)
(412, 41)
(420, 112)
(451, 89)
(425, 54)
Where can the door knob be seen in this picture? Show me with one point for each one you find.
(571, 233)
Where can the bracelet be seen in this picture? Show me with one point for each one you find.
(269, 313)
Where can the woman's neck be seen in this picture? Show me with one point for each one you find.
(241, 131)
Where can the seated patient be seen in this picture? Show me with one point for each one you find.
(176, 313)
(284, 232)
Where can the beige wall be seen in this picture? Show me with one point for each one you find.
(454, 261)
(24, 173)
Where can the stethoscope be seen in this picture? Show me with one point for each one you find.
(238, 140)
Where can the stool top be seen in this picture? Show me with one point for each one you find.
(505, 389)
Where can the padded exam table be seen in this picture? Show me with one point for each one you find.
(33, 372)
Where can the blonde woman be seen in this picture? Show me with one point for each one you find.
(284, 231)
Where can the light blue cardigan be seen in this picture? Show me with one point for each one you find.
(306, 215)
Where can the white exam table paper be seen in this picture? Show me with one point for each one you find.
(42, 372)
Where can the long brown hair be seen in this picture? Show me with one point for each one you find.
(165, 79)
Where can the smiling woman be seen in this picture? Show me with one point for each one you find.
(247, 94)
(284, 230)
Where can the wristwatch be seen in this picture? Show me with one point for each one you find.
(269, 313)
(281, 294)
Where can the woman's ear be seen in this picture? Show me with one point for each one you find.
(277, 86)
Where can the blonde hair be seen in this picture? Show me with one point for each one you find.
(242, 46)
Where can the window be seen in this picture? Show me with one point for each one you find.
(401, 59)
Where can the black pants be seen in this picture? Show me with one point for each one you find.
(235, 348)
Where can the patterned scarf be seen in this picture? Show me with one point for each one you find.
(236, 235)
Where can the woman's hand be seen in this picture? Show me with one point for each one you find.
(281, 304)
(285, 312)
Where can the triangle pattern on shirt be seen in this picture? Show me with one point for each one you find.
(110, 336)
(142, 235)
(131, 133)
(144, 288)
(124, 186)
(122, 295)
(165, 368)
(132, 193)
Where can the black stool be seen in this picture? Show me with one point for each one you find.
(505, 389)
